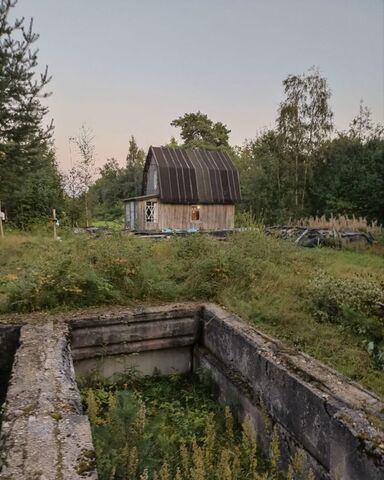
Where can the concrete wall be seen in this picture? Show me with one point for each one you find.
(9, 341)
(153, 340)
(312, 407)
(44, 435)
(335, 422)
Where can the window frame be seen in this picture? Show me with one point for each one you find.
(150, 211)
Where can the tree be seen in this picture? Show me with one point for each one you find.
(304, 123)
(350, 180)
(116, 183)
(107, 192)
(198, 131)
(79, 179)
(172, 143)
(350, 177)
(134, 169)
(264, 178)
(26, 154)
(362, 127)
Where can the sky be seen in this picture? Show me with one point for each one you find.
(129, 67)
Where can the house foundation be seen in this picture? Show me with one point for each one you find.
(335, 422)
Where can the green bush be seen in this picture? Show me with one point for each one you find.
(355, 303)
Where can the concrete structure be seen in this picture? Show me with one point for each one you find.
(334, 421)
(44, 435)
(187, 190)
(9, 342)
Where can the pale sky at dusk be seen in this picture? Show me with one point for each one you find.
(128, 67)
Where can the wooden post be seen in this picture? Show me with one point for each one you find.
(54, 224)
(1, 223)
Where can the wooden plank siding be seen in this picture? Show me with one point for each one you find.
(179, 216)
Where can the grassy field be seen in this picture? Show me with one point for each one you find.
(327, 303)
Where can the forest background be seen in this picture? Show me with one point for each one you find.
(301, 167)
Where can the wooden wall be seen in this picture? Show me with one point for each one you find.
(212, 217)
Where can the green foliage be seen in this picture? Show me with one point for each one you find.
(296, 468)
(351, 178)
(304, 123)
(269, 282)
(30, 183)
(165, 428)
(356, 304)
(362, 127)
(296, 170)
(116, 183)
(265, 180)
(198, 131)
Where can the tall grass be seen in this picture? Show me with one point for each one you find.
(341, 223)
(271, 283)
(166, 428)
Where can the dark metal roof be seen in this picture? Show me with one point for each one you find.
(194, 176)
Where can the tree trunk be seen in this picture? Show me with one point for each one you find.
(304, 184)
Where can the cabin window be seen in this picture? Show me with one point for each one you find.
(155, 181)
(151, 212)
(195, 213)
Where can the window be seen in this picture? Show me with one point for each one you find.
(155, 181)
(195, 213)
(151, 212)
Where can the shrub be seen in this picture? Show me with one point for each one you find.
(355, 303)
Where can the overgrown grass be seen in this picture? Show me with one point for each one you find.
(340, 223)
(325, 302)
(163, 428)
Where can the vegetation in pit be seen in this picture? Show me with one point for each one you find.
(165, 428)
(325, 302)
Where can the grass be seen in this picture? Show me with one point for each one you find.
(327, 303)
(163, 428)
(341, 223)
(112, 225)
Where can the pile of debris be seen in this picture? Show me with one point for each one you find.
(314, 237)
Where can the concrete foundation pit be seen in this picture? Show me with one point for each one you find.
(336, 423)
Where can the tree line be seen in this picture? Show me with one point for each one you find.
(301, 167)
(287, 173)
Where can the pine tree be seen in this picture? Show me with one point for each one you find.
(134, 169)
(29, 181)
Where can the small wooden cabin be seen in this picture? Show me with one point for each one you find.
(185, 190)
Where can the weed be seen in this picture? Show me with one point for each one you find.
(166, 428)
(325, 302)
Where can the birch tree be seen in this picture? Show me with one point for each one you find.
(305, 121)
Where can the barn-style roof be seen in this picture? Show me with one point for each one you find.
(194, 176)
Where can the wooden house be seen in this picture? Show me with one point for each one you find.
(185, 190)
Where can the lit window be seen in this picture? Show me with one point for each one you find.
(151, 212)
(195, 213)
